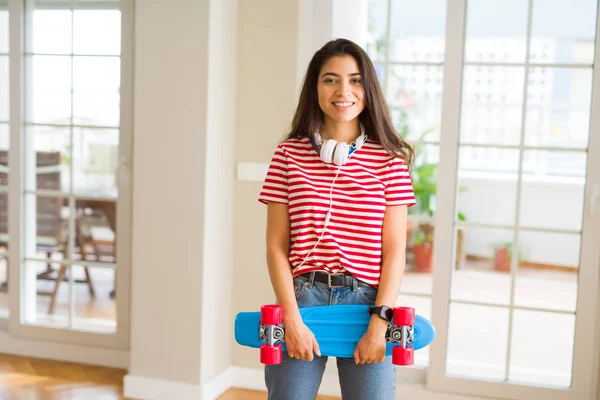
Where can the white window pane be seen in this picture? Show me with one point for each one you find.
(377, 27)
(98, 312)
(52, 31)
(96, 109)
(52, 152)
(3, 31)
(549, 288)
(492, 104)
(496, 30)
(477, 341)
(95, 153)
(558, 107)
(542, 348)
(563, 34)
(418, 30)
(4, 88)
(538, 164)
(481, 277)
(415, 92)
(96, 83)
(50, 90)
(97, 73)
(36, 299)
(97, 32)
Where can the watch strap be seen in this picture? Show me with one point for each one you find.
(384, 312)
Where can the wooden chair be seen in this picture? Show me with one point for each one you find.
(52, 230)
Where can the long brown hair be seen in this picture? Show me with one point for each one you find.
(375, 117)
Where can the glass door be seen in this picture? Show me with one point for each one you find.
(71, 153)
(519, 152)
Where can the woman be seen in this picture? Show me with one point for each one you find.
(337, 191)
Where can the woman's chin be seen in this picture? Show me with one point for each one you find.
(341, 118)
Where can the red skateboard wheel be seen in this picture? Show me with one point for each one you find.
(271, 314)
(403, 356)
(270, 355)
(404, 316)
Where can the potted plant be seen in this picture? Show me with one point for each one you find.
(424, 179)
(423, 248)
(503, 256)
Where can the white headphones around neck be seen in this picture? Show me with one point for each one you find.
(339, 152)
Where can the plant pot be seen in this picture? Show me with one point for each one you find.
(502, 259)
(423, 261)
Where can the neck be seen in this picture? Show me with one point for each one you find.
(340, 131)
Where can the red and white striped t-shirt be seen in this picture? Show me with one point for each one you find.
(366, 184)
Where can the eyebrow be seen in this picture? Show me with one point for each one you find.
(336, 75)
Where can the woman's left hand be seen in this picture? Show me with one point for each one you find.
(371, 347)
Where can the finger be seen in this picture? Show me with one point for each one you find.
(356, 357)
(308, 356)
(316, 347)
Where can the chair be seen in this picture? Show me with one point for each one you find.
(51, 229)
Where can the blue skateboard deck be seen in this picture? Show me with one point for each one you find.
(337, 329)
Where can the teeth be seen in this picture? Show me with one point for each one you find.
(345, 104)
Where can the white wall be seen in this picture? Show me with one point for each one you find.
(267, 34)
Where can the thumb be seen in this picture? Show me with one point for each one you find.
(316, 347)
(356, 357)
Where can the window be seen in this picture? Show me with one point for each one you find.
(69, 177)
(495, 97)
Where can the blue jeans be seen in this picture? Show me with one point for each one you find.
(300, 380)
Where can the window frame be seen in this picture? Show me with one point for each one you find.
(20, 11)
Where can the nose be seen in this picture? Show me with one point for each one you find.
(343, 89)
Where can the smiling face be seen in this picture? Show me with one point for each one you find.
(340, 91)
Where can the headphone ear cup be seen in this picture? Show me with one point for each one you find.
(340, 155)
(327, 151)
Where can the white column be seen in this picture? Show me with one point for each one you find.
(217, 298)
(350, 20)
(170, 123)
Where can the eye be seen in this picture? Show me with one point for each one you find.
(329, 80)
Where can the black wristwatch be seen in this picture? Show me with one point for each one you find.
(383, 312)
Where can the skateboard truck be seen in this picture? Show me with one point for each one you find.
(271, 330)
(401, 331)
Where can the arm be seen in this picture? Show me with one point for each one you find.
(371, 347)
(300, 341)
(393, 261)
(278, 249)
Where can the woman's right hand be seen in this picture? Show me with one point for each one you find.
(300, 341)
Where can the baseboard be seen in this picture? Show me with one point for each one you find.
(64, 352)
(219, 385)
(141, 387)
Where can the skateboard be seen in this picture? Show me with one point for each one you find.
(337, 329)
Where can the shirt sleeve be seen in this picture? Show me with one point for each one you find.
(275, 186)
(399, 189)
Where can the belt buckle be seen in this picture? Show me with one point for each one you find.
(329, 282)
